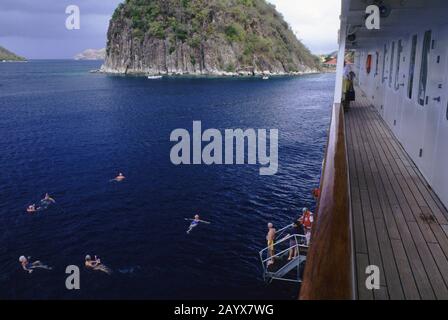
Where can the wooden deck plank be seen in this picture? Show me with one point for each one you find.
(391, 272)
(381, 294)
(373, 248)
(413, 187)
(441, 236)
(412, 211)
(433, 272)
(358, 220)
(417, 267)
(420, 229)
(404, 223)
(411, 206)
(442, 263)
(415, 263)
(419, 181)
(380, 251)
(387, 209)
(407, 277)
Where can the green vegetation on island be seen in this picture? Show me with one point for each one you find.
(6, 55)
(202, 36)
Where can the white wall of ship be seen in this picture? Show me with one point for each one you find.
(417, 114)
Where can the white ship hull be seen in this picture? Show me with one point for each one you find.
(416, 112)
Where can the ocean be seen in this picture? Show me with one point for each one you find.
(67, 132)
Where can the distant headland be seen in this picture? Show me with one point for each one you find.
(8, 56)
(91, 54)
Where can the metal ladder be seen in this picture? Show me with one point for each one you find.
(282, 269)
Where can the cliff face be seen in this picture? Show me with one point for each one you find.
(203, 37)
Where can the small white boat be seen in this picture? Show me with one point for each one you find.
(155, 77)
(265, 78)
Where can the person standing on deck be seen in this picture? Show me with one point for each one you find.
(348, 89)
(270, 238)
(307, 221)
(293, 248)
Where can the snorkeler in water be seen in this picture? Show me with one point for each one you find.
(48, 199)
(43, 204)
(96, 265)
(31, 209)
(30, 266)
(46, 202)
(118, 178)
(195, 222)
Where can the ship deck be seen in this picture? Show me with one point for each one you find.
(399, 224)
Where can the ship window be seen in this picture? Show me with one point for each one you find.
(377, 61)
(383, 77)
(412, 66)
(447, 112)
(424, 68)
(397, 66)
(391, 67)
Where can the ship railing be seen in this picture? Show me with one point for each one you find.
(329, 271)
(282, 231)
(281, 268)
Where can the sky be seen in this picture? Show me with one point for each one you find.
(36, 29)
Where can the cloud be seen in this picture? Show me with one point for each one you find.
(46, 19)
(315, 22)
(36, 29)
(43, 7)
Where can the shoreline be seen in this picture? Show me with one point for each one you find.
(219, 74)
(12, 61)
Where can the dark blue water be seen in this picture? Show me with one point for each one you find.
(67, 132)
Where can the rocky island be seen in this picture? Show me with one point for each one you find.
(8, 56)
(203, 37)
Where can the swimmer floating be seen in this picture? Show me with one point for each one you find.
(43, 204)
(96, 265)
(118, 178)
(195, 222)
(32, 209)
(29, 266)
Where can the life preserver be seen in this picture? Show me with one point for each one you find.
(307, 220)
(316, 193)
(369, 63)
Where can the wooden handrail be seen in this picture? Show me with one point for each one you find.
(329, 267)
